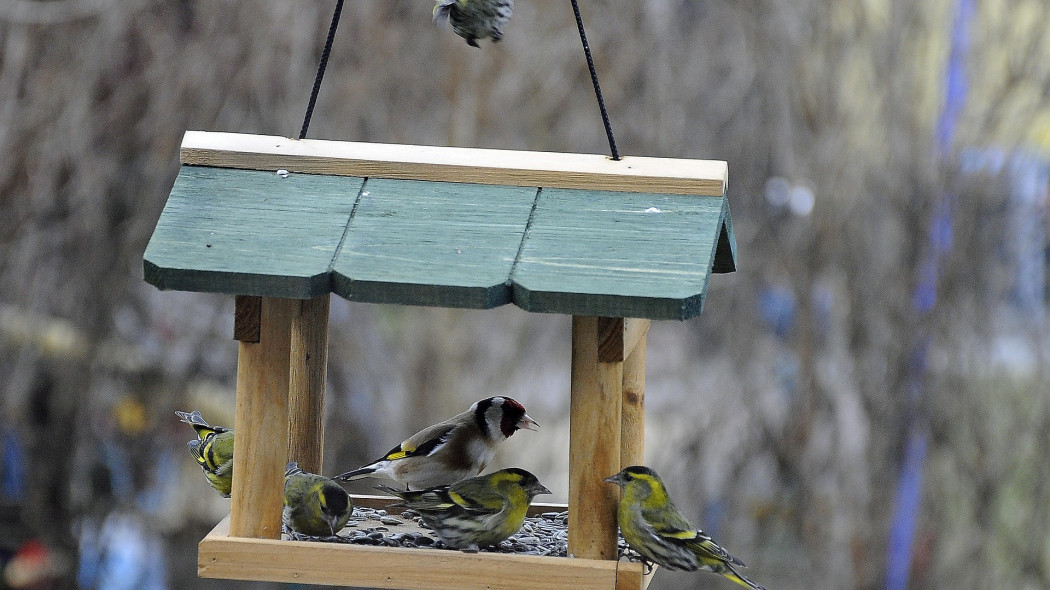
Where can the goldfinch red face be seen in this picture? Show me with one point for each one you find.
(501, 417)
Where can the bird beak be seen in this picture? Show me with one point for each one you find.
(528, 423)
(541, 489)
(615, 479)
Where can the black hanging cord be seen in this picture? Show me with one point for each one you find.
(586, 51)
(321, 68)
(594, 80)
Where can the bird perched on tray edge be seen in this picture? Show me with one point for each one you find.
(475, 512)
(213, 451)
(449, 451)
(656, 529)
(313, 504)
(475, 19)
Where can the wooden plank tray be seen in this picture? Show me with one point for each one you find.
(309, 562)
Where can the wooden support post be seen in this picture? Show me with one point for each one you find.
(594, 435)
(261, 446)
(308, 373)
(632, 424)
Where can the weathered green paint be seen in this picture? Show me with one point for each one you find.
(618, 254)
(248, 232)
(433, 243)
(603, 253)
(725, 250)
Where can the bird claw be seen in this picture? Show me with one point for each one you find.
(647, 566)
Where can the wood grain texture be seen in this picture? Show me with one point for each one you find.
(452, 164)
(261, 445)
(630, 576)
(594, 442)
(302, 562)
(432, 243)
(632, 416)
(617, 255)
(308, 371)
(610, 340)
(634, 333)
(246, 317)
(250, 232)
(620, 338)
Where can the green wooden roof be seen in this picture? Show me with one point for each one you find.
(439, 243)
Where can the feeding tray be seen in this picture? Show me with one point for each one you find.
(283, 223)
(333, 563)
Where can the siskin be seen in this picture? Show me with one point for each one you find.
(313, 504)
(213, 451)
(475, 512)
(451, 450)
(655, 528)
(475, 19)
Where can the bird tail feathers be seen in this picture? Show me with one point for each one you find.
(739, 578)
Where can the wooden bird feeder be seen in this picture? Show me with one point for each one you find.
(282, 223)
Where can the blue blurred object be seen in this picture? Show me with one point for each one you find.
(13, 467)
(776, 305)
(120, 554)
(908, 500)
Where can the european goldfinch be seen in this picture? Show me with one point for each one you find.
(475, 19)
(451, 450)
(213, 451)
(657, 530)
(478, 511)
(313, 504)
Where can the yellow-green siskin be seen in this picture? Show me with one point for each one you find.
(657, 530)
(313, 504)
(478, 511)
(213, 451)
(475, 19)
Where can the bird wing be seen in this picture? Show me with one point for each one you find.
(422, 443)
(443, 11)
(432, 499)
(202, 428)
(472, 496)
(667, 522)
(195, 449)
(707, 549)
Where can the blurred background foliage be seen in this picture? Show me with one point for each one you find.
(864, 404)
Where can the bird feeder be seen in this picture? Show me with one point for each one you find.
(282, 223)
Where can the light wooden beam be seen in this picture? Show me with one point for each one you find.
(594, 436)
(261, 445)
(632, 418)
(308, 375)
(453, 164)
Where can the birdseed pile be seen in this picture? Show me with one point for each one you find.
(545, 534)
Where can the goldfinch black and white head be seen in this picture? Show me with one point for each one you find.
(313, 504)
(654, 527)
(452, 450)
(213, 451)
(478, 511)
(475, 19)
